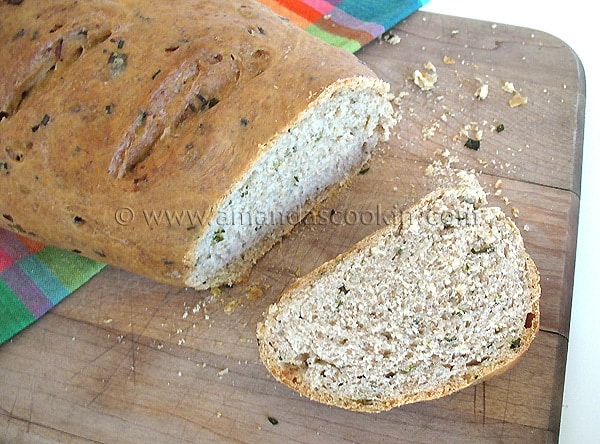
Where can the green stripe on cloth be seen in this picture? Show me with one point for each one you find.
(70, 268)
(333, 39)
(14, 315)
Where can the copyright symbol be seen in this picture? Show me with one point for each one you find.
(124, 216)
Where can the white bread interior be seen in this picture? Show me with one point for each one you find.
(328, 143)
(442, 298)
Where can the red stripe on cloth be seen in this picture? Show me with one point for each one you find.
(30, 244)
(5, 259)
(301, 9)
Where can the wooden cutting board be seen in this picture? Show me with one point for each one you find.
(127, 360)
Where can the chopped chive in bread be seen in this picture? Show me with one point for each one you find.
(442, 298)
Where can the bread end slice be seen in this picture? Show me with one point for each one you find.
(444, 297)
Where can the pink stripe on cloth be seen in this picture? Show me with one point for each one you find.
(12, 246)
(323, 6)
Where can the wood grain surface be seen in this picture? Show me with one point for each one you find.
(127, 360)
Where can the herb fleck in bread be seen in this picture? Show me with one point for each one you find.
(442, 298)
(204, 112)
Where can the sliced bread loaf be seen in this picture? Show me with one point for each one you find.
(442, 298)
(179, 140)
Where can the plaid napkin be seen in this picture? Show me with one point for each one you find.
(349, 24)
(34, 278)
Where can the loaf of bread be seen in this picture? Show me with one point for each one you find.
(176, 139)
(444, 297)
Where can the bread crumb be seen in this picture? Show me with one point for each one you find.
(223, 372)
(482, 92)
(219, 414)
(498, 184)
(515, 212)
(391, 38)
(425, 79)
(230, 305)
(526, 227)
(517, 100)
(508, 87)
(398, 98)
(448, 60)
(254, 292)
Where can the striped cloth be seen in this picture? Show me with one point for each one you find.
(34, 278)
(349, 24)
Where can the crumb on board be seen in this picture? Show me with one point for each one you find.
(517, 99)
(230, 305)
(397, 100)
(223, 372)
(391, 38)
(448, 60)
(426, 78)
(253, 292)
(508, 87)
(482, 92)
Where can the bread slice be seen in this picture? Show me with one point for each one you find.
(179, 140)
(444, 297)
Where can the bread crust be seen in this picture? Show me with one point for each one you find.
(96, 134)
(292, 376)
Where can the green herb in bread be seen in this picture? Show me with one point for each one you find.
(444, 297)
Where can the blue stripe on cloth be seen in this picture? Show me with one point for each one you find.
(45, 280)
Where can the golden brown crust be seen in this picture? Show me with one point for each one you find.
(293, 375)
(111, 109)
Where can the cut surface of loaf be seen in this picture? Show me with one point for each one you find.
(442, 298)
(179, 140)
(328, 143)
